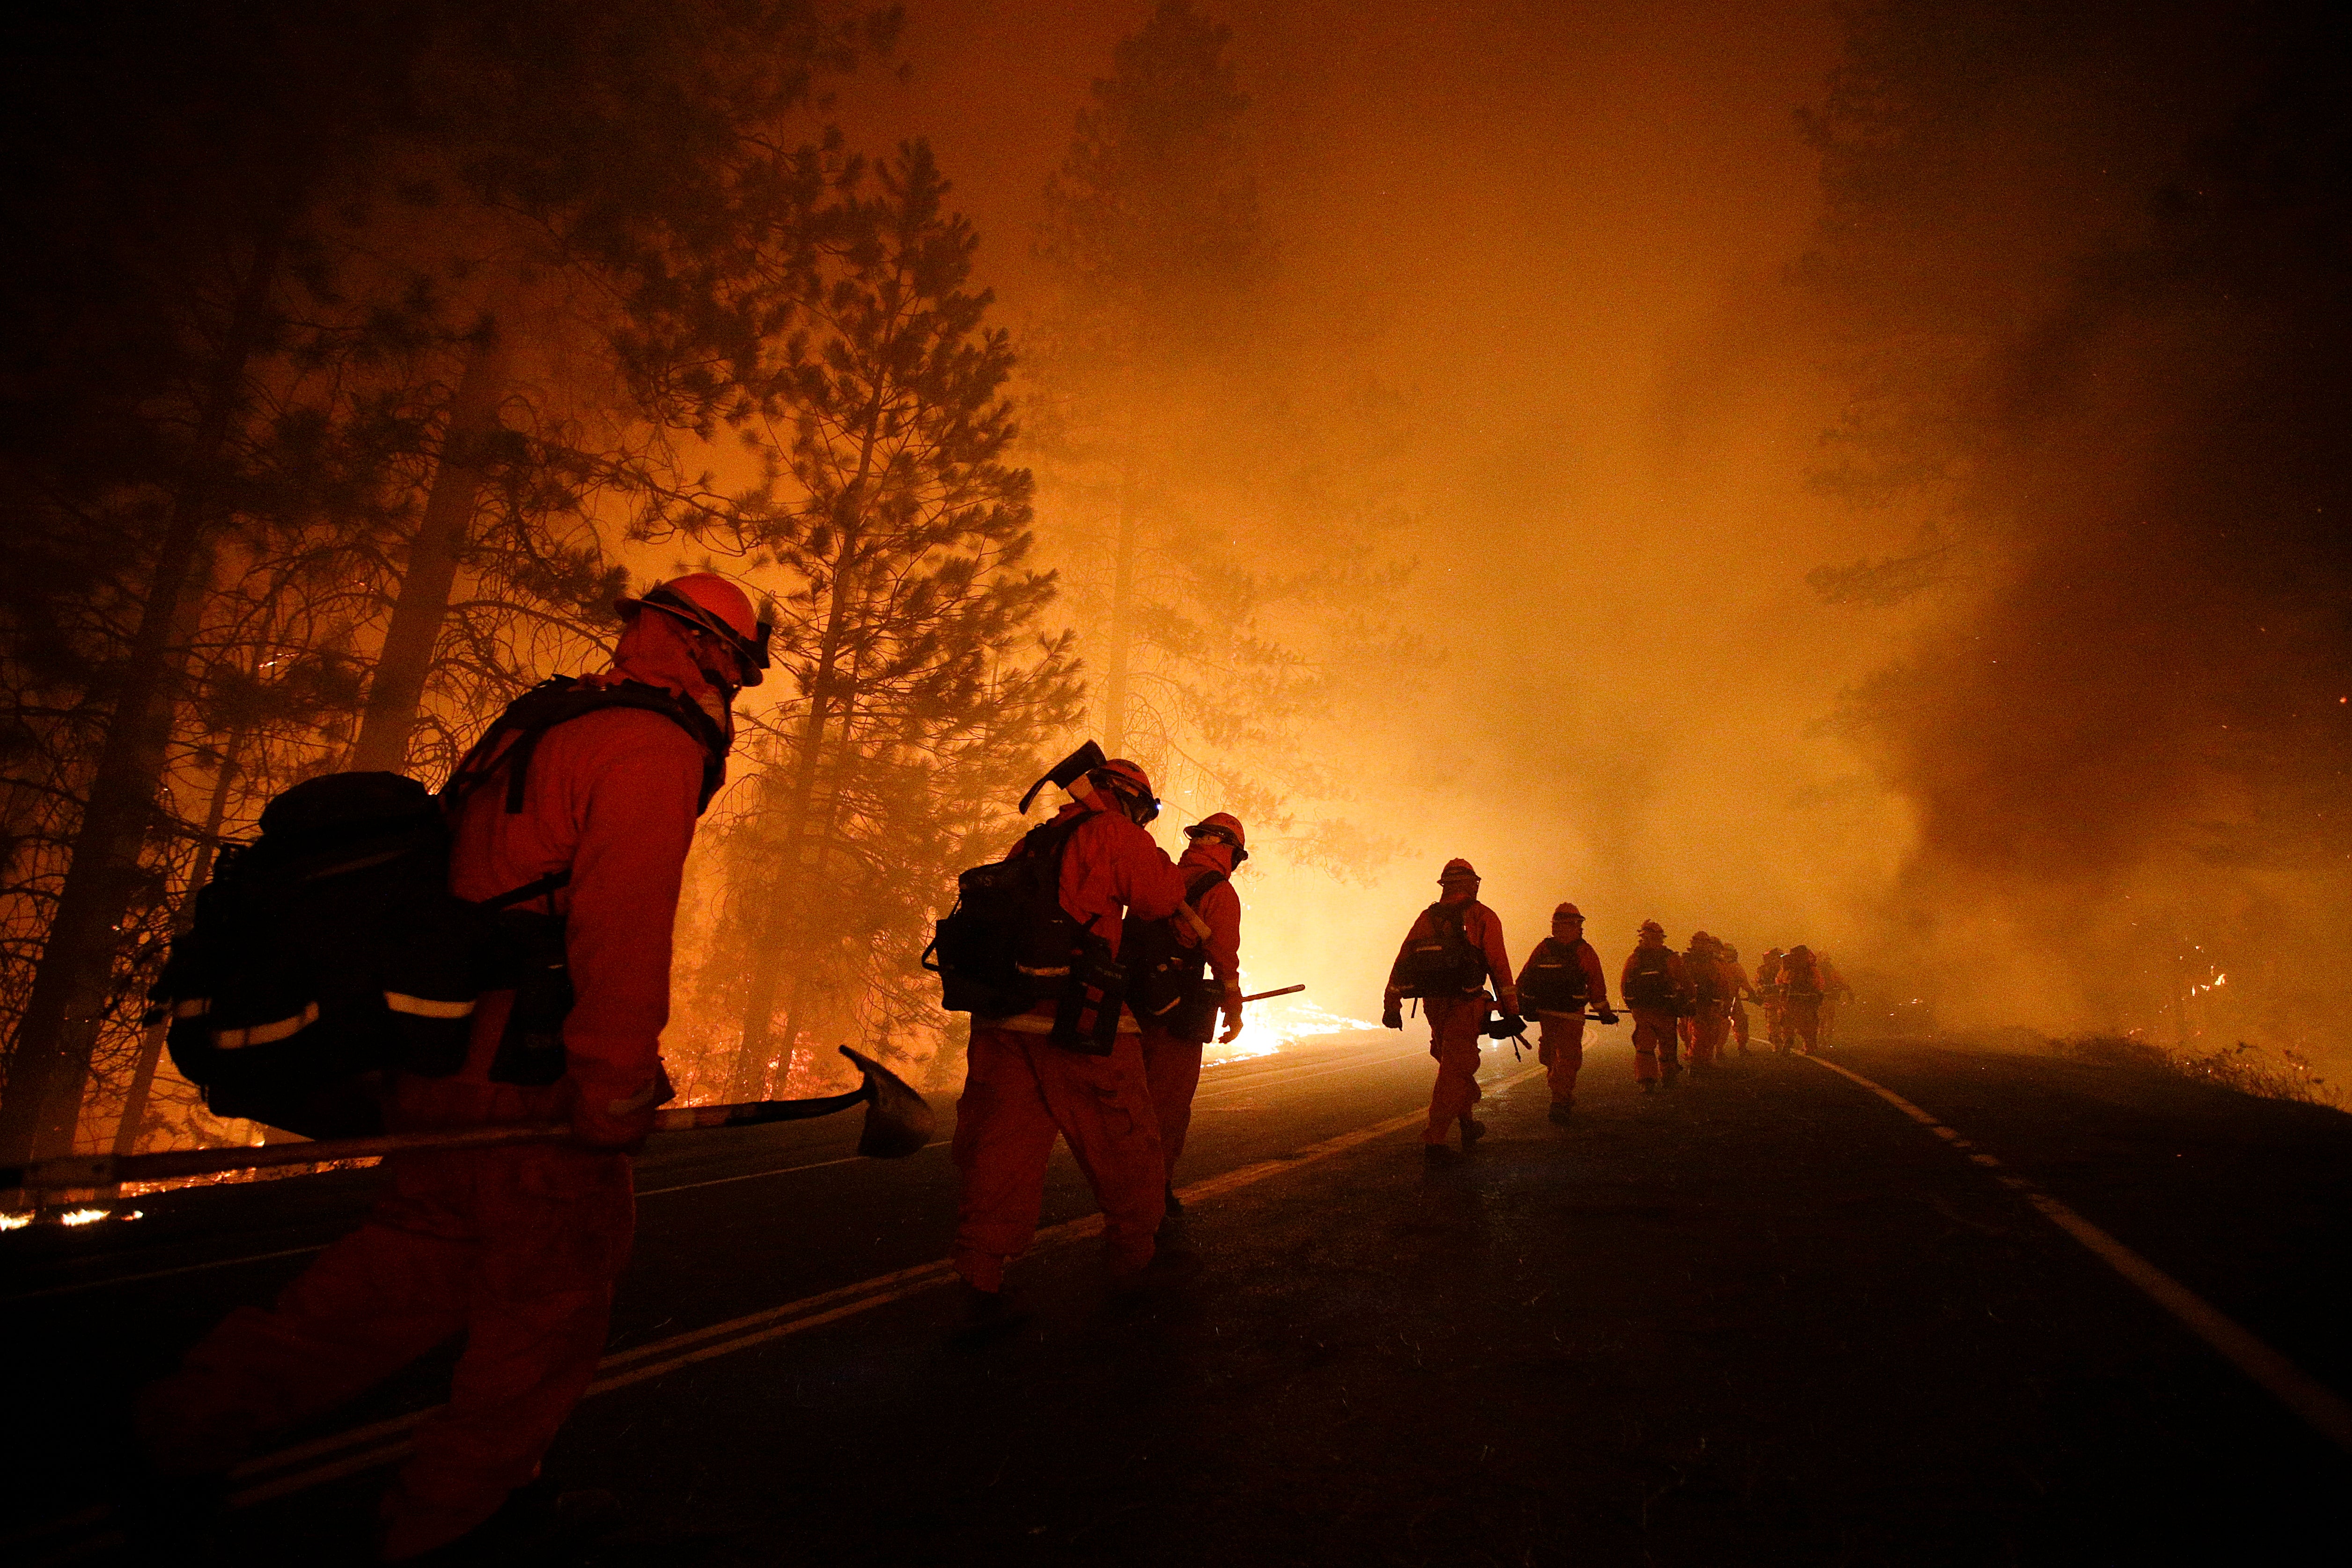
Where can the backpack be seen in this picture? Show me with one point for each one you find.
(1650, 982)
(1444, 963)
(1167, 982)
(328, 951)
(1008, 944)
(1706, 977)
(1554, 980)
(1802, 979)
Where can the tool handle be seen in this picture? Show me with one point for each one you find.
(1261, 996)
(170, 1165)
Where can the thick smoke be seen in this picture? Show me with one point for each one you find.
(2120, 395)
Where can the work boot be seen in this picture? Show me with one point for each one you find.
(1175, 1204)
(1437, 1154)
(1472, 1131)
(984, 1318)
(1560, 1112)
(1649, 1086)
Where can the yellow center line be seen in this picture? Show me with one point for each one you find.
(774, 1323)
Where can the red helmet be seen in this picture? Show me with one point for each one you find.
(1128, 781)
(1457, 869)
(708, 602)
(1221, 825)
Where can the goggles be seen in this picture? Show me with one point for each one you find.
(1220, 836)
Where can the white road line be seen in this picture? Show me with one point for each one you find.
(2326, 1413)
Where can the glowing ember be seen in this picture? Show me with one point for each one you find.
(15, 1221)
(82, 1217)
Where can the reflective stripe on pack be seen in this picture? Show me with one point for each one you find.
(192, 1007)
(266, 1033)
(1030, 1023)
(425, 1006)
(1043, 974)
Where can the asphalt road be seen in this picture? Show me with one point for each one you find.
(1765, 1318)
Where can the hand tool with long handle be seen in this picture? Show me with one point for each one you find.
(899, 1122)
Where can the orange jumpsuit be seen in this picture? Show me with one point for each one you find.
(1802, 983)
(1735, 973)
(1654, 1027)
(1021, 1090)
(1835, 994)
(1457, 1024)
(1710, 1021)
(516, 1249)
(1776, 1006)
(1171, 1065)
(1561, 1041)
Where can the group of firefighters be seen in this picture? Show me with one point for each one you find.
(518, 1249)
(1688, 1007)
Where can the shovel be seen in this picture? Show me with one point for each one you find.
(898, 1122)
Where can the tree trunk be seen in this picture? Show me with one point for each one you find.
(151, 1044)
(401, 669)
(785, 892)
(1122, 624)
(49, 1068)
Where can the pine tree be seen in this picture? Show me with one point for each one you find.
(920, 685)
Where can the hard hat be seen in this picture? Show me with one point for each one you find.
(1568, 911)
(1651, 927)
(1457, 869)
(1701, 939)
(708, 602)
(1728, 951)
(1224, 825)
(1800, 950)
(1129, 781)
(1771, 952)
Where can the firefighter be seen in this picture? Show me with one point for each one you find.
(1454, 946)
(1654, 986)
(1562, 977)
(1801, 990)
(1770, 993)
(1835, 994)
(1021, 1089)
(1209, 929)
(1743, 991)
(515, 1248)
(1710, 999)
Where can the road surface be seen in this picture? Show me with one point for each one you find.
(1773, 1317)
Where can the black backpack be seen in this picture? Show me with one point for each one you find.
(1650, 983)
(329, 951)
(1167, 982)
(1444, 963)
(1008, 944)
(1554, 980)
(1706, 978)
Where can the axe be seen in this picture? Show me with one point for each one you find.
(898, 1122)
(1071, 771)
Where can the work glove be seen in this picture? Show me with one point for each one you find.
(1232, 1018)
(1606, 1014)
(1393, 1016)
(620, 1125)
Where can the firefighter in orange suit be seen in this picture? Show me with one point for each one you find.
(1800, 991)
(515, 1248)
(1561, 978)
(1022, 1090)
(1743, 991)
(1209, 929)
(1774, 999)
(1654, 990)
(1454, 948)
(1710, 1000)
